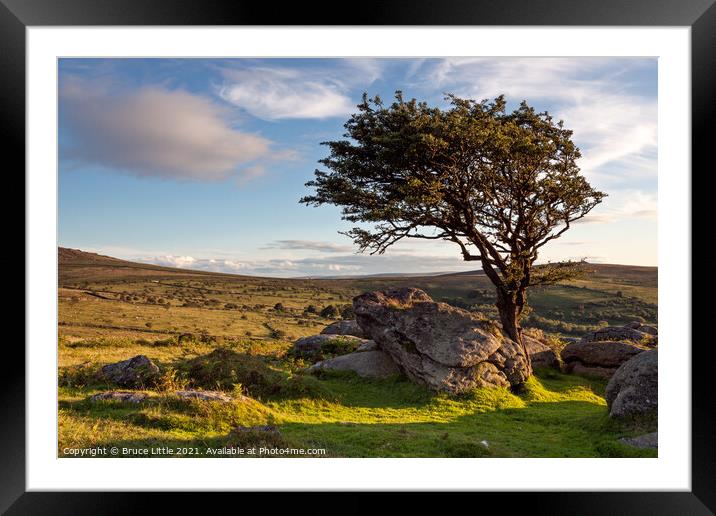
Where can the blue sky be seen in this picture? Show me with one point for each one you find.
(200, 163)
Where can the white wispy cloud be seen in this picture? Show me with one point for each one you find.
(624, 205)
(342, 265)
(317, 91)
(280, 93)
(155, 132)
(611, 123)
(310, 245)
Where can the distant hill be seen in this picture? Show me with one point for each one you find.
(77, 265)
(73, 259)
(378, 275)
(67, 256)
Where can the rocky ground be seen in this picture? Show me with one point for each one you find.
(452, 350)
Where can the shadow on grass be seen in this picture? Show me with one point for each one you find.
(557, 416)
(170, 414)
(557, 429)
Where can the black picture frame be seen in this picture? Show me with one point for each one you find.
(700, 15)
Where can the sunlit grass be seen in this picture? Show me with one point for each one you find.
(556, 416)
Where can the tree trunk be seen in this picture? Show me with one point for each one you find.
(510, 312)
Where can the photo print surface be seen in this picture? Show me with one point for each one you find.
(357, 257)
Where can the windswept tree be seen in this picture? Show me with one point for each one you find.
(499, 185)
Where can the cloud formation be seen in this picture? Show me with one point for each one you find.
(281, 93)
(611, 122)
(342, 265)
(154, 132)
(624, 205)
(310, 245)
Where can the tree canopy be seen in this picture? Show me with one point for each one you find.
(498, 184)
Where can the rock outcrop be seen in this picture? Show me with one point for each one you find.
(349, 327)
(138, 397)
(136, 372)
(126, 396)
(444, 347)
(620, 333)
(634, 388)
(600, 352)
(203, 395)
(541, 355)
(598, 358)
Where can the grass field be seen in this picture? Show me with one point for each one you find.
(232, 333)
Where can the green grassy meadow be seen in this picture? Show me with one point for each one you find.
(232, 333)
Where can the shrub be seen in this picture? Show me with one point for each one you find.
(80, 375)
(277, 334)
(330, 312)
(339, 346)
(224, 368)
(347, 312)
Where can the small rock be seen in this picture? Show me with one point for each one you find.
(344, 328)
(368, 345)
(540, 353)
(650, 441)
(368, 364)
(651, 330)
(581, 370)
(136, 372)
(616, 333)
(130, 397)
(204, 395)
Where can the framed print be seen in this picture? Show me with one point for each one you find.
(433, 250)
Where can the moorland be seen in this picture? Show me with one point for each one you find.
(230, 333)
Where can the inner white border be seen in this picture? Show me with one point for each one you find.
(670, 471)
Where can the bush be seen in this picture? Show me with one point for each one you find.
(81, 375)
(338, 346)
(311, 309)
(330, 312)
(277, 334)
(224, 368)
(347, 312)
